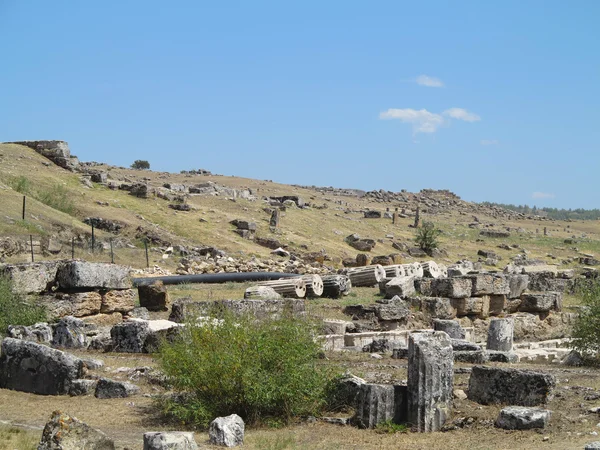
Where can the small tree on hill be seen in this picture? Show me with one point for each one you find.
(140, 164)
(426, 237)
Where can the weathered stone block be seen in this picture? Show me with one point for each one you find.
(30, 278)
(30, 367)
(489, 283)
(490, 385)
(541, 302)
(122, 301)
(401, 286)
(477, 357)
(456, 287)
(430, 380)
(70, 332)
(451, 327)
(497, 304)
(154, 296)
(517, 284)
(473, 306)
(522, 418)
(438, 307)
(83, 275)
(39, 332)
(186, 308)
(169, 440)
(377, 403)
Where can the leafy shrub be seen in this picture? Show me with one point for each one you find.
(586, 338)
(426, 237)
(140, 164)
(15, 310)
(262, 371)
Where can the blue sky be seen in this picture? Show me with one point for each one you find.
(495, 101)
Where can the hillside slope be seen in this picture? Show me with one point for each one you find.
(215, 200)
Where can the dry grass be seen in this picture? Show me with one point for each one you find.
(315, 228)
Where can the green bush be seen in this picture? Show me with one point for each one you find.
(15, 310)
(140, 164)
(586, 338)
(426, 237)
(266, 372)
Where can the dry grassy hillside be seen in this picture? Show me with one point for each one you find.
(323, 226)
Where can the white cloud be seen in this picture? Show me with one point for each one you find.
(489, 142)
(424, 80)
(422, 120)
(539, 195)
(462, 114)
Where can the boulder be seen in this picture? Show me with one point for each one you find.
(107, 388)
(64, 432)
(31, 367)
(592, 446)
(83, 275)
(227, 431)
(169, 440)
(39, 332)
(522, 418)
(430, 380)
(154, 296)
(490, 385)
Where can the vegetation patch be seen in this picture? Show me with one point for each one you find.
(586, 338)
(262, 371)
(16, 310)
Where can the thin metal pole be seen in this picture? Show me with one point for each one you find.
(24, 207)
(31, 245)
(146, 247)
(93, 239)
(112, 256)
(72, 248)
